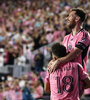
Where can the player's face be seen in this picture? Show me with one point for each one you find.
(71, 19)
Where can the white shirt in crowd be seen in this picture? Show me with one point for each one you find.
(1, 57)
(1, 60)
(21, 60)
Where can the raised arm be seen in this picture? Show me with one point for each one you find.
(69, 57)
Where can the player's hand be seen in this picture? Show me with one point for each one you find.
(52, 66)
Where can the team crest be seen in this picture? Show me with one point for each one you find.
(70, 47)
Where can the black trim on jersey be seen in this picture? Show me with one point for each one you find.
(84, 53)
(81, 45)
(80, 30)
(85, 34)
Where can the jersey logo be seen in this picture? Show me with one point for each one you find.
(70, 47)
(83, 39)
(71, 39)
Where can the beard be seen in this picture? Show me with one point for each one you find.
(71, 25)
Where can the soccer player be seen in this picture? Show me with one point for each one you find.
(77, 42)
(64, 82)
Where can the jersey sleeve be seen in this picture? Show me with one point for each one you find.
(83, 74)
(84, 42)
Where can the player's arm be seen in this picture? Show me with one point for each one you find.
(47, 83)
(87, 81)
(80, 46)
(47, 87)
(69, 57)
(84, 76)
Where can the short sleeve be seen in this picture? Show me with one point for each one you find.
(84, 42)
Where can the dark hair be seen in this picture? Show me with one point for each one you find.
(81, 13)
(58, 50)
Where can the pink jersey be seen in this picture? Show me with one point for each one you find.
(19, 95)
(38, 92)
(64, 82)
(81, 41)
(6, 94)
(12, 95)
(15, 95)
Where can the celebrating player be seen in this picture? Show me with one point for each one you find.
(77, 42)
(64, 82)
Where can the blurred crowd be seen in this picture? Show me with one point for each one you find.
(29, 87)
(28, 27)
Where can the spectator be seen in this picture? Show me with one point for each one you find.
(43, 41)
(39, 61)
(1, 58)
(26, 93)
(37, 85)
(21, 60)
